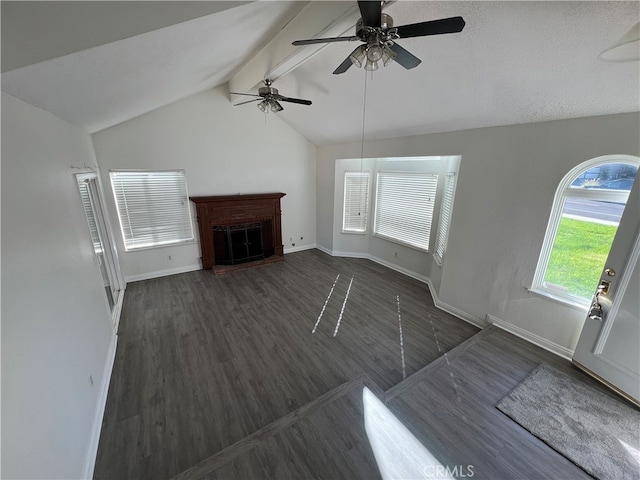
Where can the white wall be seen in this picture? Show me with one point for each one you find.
(224, 150)
(507, 180)
(56, 325)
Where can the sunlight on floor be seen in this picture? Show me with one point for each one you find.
(397, 452)
(633, 452)
(315, 327)
(404, 368)
(344, 304)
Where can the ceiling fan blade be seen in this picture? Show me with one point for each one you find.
(433, 27)
(371, 13)
(312, 41)
(248, 101)
(404, 58)
(294, 100)
(343, 67)
(246, 94)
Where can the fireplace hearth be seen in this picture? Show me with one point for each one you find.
(238, 231)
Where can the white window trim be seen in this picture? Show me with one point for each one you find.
(375, 211)
(445, 226)
(555, 216)
(366, 205)
(188, 216)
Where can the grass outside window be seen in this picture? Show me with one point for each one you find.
(578, 256)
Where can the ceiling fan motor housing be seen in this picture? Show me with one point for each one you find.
(264, 91)
(384, 34)
(363, 32)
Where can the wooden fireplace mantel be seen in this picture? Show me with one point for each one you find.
(236, 210)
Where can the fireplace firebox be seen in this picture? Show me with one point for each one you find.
(243, 243)
(237, 231)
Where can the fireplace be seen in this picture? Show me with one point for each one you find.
(248, 242)
(237, 231)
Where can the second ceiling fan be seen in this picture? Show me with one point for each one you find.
(270, 98)
(379, 35)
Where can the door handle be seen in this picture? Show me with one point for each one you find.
(595, 311)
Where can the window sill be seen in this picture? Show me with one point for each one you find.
(573, 304)
(349, 232)
(164, 245)
(438, 260)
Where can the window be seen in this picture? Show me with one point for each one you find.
(102, 240)
(583, 222)
(85, 196)
(404, 207)
(445, 216)
(356, 201)
(153, 207)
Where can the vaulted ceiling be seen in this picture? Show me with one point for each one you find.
(96, 64)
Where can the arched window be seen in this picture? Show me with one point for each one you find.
(583, 222)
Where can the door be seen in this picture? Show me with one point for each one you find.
(102, 241)
(609, 345)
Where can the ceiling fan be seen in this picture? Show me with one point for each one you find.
(270, 98)
(379, 35)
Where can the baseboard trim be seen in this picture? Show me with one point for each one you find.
(477, 322)
(96, 428)
(299, 249)
(162, 273)
(324, 250)
(456, 312)
(350, 254)
(397, 268)
(380, 261)
(530, 337)
(117, 310)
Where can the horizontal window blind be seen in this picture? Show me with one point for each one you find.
(445, 215)
(356, 200)
(404, 207)
(88, 210)
(153, 207)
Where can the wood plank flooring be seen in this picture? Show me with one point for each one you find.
(450, 408)
(206, 360)
(447, 408)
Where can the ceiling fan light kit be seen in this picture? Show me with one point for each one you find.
(270, 99)
(375, 29)
(358, 55)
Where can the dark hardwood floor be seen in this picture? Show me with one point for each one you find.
(205, 360)
(220, 377)
(442, 417)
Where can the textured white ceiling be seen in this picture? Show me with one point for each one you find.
(102, 86)
(515, 62)
(36, 31)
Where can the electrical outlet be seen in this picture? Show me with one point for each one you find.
(169, 257)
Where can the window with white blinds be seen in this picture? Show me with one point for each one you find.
(88, 210)
(445, 215)
(153, 207)
(404, 207)
(356, 201)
